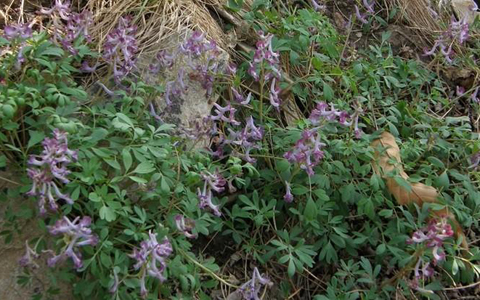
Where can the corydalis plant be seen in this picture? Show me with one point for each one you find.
(196, 59)
(68, 25)
(433, 236)
(248, 138)
(28, 259)
(369, 7)
(151, 259)
(266, 63)
(307, 151)
(18, 34)
(49, 167)
(120, 49)
(185, 226)
(250, 289)
(76, 234)
(457, 31)
(211, 182)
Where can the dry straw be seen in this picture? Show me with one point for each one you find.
(415, 14)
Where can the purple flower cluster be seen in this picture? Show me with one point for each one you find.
(27, 260)
(222, 112)
(77, 234)
(50, 165)
(185, 225)
(325, 113)
(120, 48)
(151, 259)
(457, 31)
(307, 151)
(247, 138)
(19, 33)
(76, 24)
(266, 62)
(197, 59)
(369, 11)
(432, 237)
(211, 182)
(250, 289)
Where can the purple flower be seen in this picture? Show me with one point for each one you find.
(460, 91)
(265, 56)
(120, 48)
(317, 6)
(74, 25)
(250, 289)
(288, 194)
(17, 31)
(324, 112)
(422, 270)
(369, 6)
(214, 182)
(307, 151)
(475, 159)
(85, 68)
(360, 17)
(27, 260)
(50, 165)
(62, 9)
(246, 138)
(151, 259)
(474, 95)
(185, 225)
(221, 114)
(231, 69)
(274, 94)
(77, 234)
(114, 288)
(433, 236)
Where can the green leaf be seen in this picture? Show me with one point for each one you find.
(337, 240)
(403, 183)
(328, 92)
(443, 180)
(53, 51)
(387, 213)
(138, 179)
(283, 165)
(94, 197)
(127, 159)
(113, 163)
(291, 268)
(235, 5)
(107, 213)
(381, 249)
(455, 267)
(144, 168)
(310, 211)
(35, 138)
(436, 162)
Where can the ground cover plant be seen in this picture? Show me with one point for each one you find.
(278, 205)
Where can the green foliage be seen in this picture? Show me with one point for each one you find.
(135, 175)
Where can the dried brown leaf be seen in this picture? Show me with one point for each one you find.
(419, 192)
